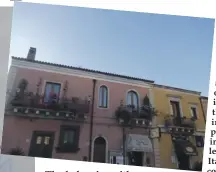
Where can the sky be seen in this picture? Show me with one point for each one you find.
(171, 50)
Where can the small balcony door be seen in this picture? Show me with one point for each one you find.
(52, 92)
(176, 108)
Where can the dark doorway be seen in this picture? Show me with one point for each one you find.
(41, 144)
(183, 159)
(180, 144)
(99, 150)
(136, 158)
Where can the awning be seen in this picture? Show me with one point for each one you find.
(186, 147)
(138, 143)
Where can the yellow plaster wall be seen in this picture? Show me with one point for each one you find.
(161, 103)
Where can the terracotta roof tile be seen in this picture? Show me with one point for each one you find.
(84, 69)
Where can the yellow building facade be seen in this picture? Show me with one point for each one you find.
(181, 120)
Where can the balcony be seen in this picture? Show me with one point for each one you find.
(30, 104)
(129, 115)
(179, 124)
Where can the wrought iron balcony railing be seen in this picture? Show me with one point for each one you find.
(171, 121)
(128, 114)
(36, 101)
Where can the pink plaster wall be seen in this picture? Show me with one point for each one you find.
(18, 131)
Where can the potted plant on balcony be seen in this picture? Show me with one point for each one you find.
(189, 122)
(19, 98)
(168, 120)
(147, 111)
(123, 115)
(22, 86)
(193, 119)
(16, 151)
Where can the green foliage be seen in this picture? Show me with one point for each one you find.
(16, 151)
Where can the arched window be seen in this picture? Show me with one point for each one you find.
(103, 97)
(132, 99)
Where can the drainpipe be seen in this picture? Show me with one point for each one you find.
(91, 121)
(203, 111)
(124, 139)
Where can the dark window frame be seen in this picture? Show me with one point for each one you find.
(71, 147)
(177, 108)
(194, 112)
(104, 91)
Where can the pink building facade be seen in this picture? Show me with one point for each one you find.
(55, 111)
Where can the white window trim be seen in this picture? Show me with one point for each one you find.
(180, 106)
(194, 106)
(108, 97)
(138, 96)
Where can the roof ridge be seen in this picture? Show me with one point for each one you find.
(176, 88)
(106, 73)
(84, 69)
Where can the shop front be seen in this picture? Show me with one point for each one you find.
(184, 151)
(139, 150)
